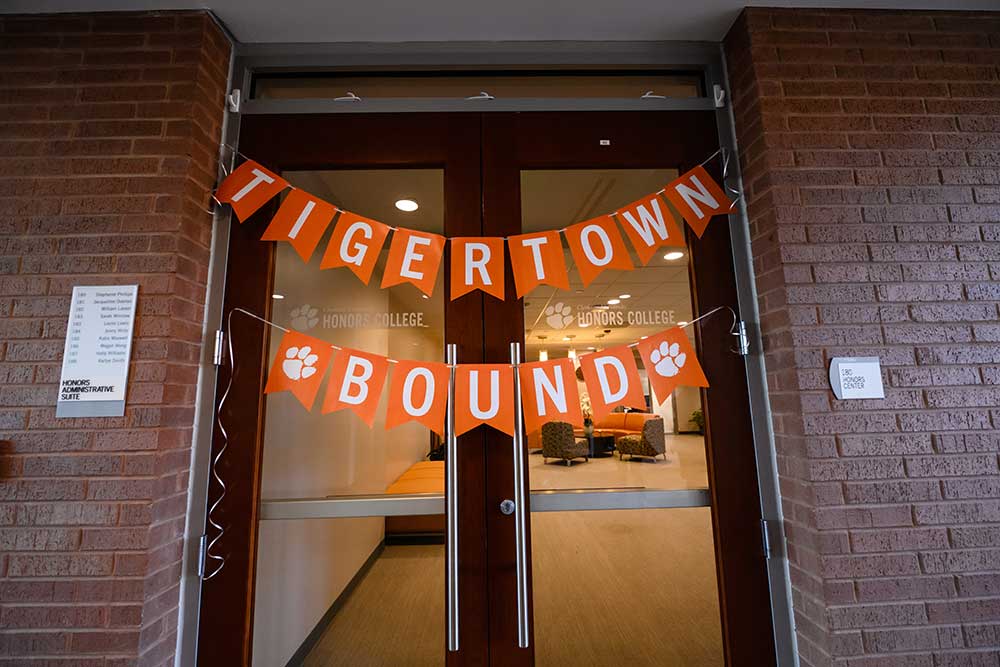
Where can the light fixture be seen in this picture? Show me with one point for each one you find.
(407, 205)
(277, 296)
(672, 255)
(567, 338)
(571, 354)
(682, 324)
(543, 355)
(624, 296)
(614, 302)
(643, 337)
(591, 348)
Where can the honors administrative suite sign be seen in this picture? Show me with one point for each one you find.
(97, 351)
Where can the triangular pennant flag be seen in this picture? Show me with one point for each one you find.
(299, 366)
(355, 243)
(249, 187)
(414, 257)
(418, 391)
(649, 225)
(697, 197)
(537, 259)
(476, 263)
(549, 393)
(597, 245)
(301, 221)
(484, 394)
(612, 379)
(670, 361)
(356, 383)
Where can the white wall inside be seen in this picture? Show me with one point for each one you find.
(304, 565)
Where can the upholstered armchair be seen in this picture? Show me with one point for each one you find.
(650, 442)
(558, 442)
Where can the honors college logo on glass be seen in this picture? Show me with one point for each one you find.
(304, 317)
(558, 315)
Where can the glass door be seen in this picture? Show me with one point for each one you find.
(644, 525)
(341, 546)
(636, 541)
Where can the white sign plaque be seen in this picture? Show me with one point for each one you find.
(856, 377)
(97, 352)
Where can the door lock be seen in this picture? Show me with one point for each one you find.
(507, 507)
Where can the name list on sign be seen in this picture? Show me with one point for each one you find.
(98, 349)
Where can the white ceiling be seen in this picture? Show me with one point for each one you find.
(472, 20)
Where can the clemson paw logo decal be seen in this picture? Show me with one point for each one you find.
(667, 359)
(304, 317)
(558, 315)
(299, 363)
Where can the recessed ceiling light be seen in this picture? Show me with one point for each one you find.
(624, 296)
(407, 205)
(643, 337)
(614, 302)
(425, 296)
(277, 296)
(672, 255)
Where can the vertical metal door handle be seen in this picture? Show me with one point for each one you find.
(520, 502)
(451, 502)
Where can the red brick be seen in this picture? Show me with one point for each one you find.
(917, 271)
(85, 150)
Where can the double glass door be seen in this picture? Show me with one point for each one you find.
(350, 545)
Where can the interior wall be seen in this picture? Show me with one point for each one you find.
(304, 565)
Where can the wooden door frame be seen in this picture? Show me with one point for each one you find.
(287, 142)
(644, 139)
(488, 631)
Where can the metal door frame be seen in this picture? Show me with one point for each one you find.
(704, 57)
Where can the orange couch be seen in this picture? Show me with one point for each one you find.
(621, 423)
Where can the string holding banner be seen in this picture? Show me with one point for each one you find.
(477, 263)
(484, 392)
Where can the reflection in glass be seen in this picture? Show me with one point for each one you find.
(305, 566)
(619, 307)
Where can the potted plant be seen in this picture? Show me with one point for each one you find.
(698, 418)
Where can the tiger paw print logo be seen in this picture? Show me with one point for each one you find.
(299, 363)
(558, 315)
(304, 317)
(668, 360)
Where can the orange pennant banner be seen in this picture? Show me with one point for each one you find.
(649, 225)
(249, 187)
(612, 379)
(537, 259)
(484, 394)
(476, 263)
(414, 257)
(549, 393)
(301, 221)
(698, 197)
(299, 366)
(355, 243)
(418, 391)
(597, 245)
(356, 383)
(670, 361)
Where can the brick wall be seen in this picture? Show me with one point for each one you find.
(109, 128)
(870, 146)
